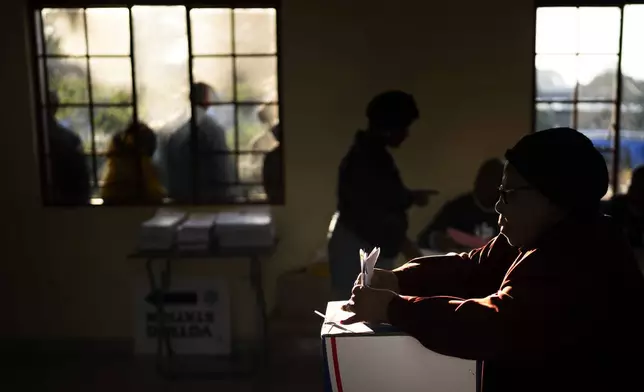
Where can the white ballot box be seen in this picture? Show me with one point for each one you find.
(360, 357)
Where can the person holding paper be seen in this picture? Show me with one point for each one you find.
(469, 221)
(554, 303)
(372, 199)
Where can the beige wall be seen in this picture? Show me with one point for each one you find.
(469, 63)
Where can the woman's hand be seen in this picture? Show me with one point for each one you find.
(421, 197)
(368, 305)
(381, 279)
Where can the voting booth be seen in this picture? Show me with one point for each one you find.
(361, 357)
(197, 316)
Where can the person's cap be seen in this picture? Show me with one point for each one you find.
(392, 109)
(564, 165)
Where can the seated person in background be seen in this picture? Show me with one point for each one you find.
(628, 209)
(215, 164)
(130, 176)
(472, 214)
(69, 172)
(552, 304)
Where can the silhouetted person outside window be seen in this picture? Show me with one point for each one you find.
(471, 214)
(272, 170)
(372, 199)
(130, 177)
(68, 164)
(553, 304)
(628, 209)
(215, 163)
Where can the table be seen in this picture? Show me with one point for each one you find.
(165, 355)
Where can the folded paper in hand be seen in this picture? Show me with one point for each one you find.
(367, 264)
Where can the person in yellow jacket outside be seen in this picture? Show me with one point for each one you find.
(130, 176)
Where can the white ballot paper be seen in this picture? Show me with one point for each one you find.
(367, 264)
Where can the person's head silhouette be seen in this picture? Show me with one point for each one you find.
(390, 115)
(203, 95)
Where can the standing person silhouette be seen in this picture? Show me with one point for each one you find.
(215, 176)
(372, 199)
(68, 164)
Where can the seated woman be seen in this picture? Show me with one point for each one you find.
(628, 209)
(551, 304)
(129, 176)
(469, 221)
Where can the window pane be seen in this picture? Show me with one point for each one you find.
(255, 31)
(598, 30)
(633, 67)
(557, 30)
(68, 79)
(632, 155)
(550, 115)
(217, 73)
(257, 79)
(597, 77)
(107, 122)
(108, 31)
(595, 116)
(250, 167)
(76, 119)
(224, 117)
(216, 163)
(556, 77)
(632, 110)
(256, 194)
(211, 30)
(111, 80)
(64, 31)
(161, 60)
(255, 124)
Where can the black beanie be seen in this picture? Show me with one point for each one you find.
(564, 165)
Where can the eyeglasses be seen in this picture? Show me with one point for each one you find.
(503, 193)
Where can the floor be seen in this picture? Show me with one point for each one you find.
(294, 364)
(125, 374)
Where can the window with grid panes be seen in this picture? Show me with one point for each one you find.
(589, 74)
(158, 104)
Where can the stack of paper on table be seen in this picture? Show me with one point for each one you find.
(247, 228)
(159, 233)
(196, 232)
(361, 357)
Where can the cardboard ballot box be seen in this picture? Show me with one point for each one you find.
(362, 357)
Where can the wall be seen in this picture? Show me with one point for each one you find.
(64, 272)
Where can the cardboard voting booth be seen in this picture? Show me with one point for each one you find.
(361, 357)
(197, 316)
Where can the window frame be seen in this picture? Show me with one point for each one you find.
(42, 104)
(615, 150)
